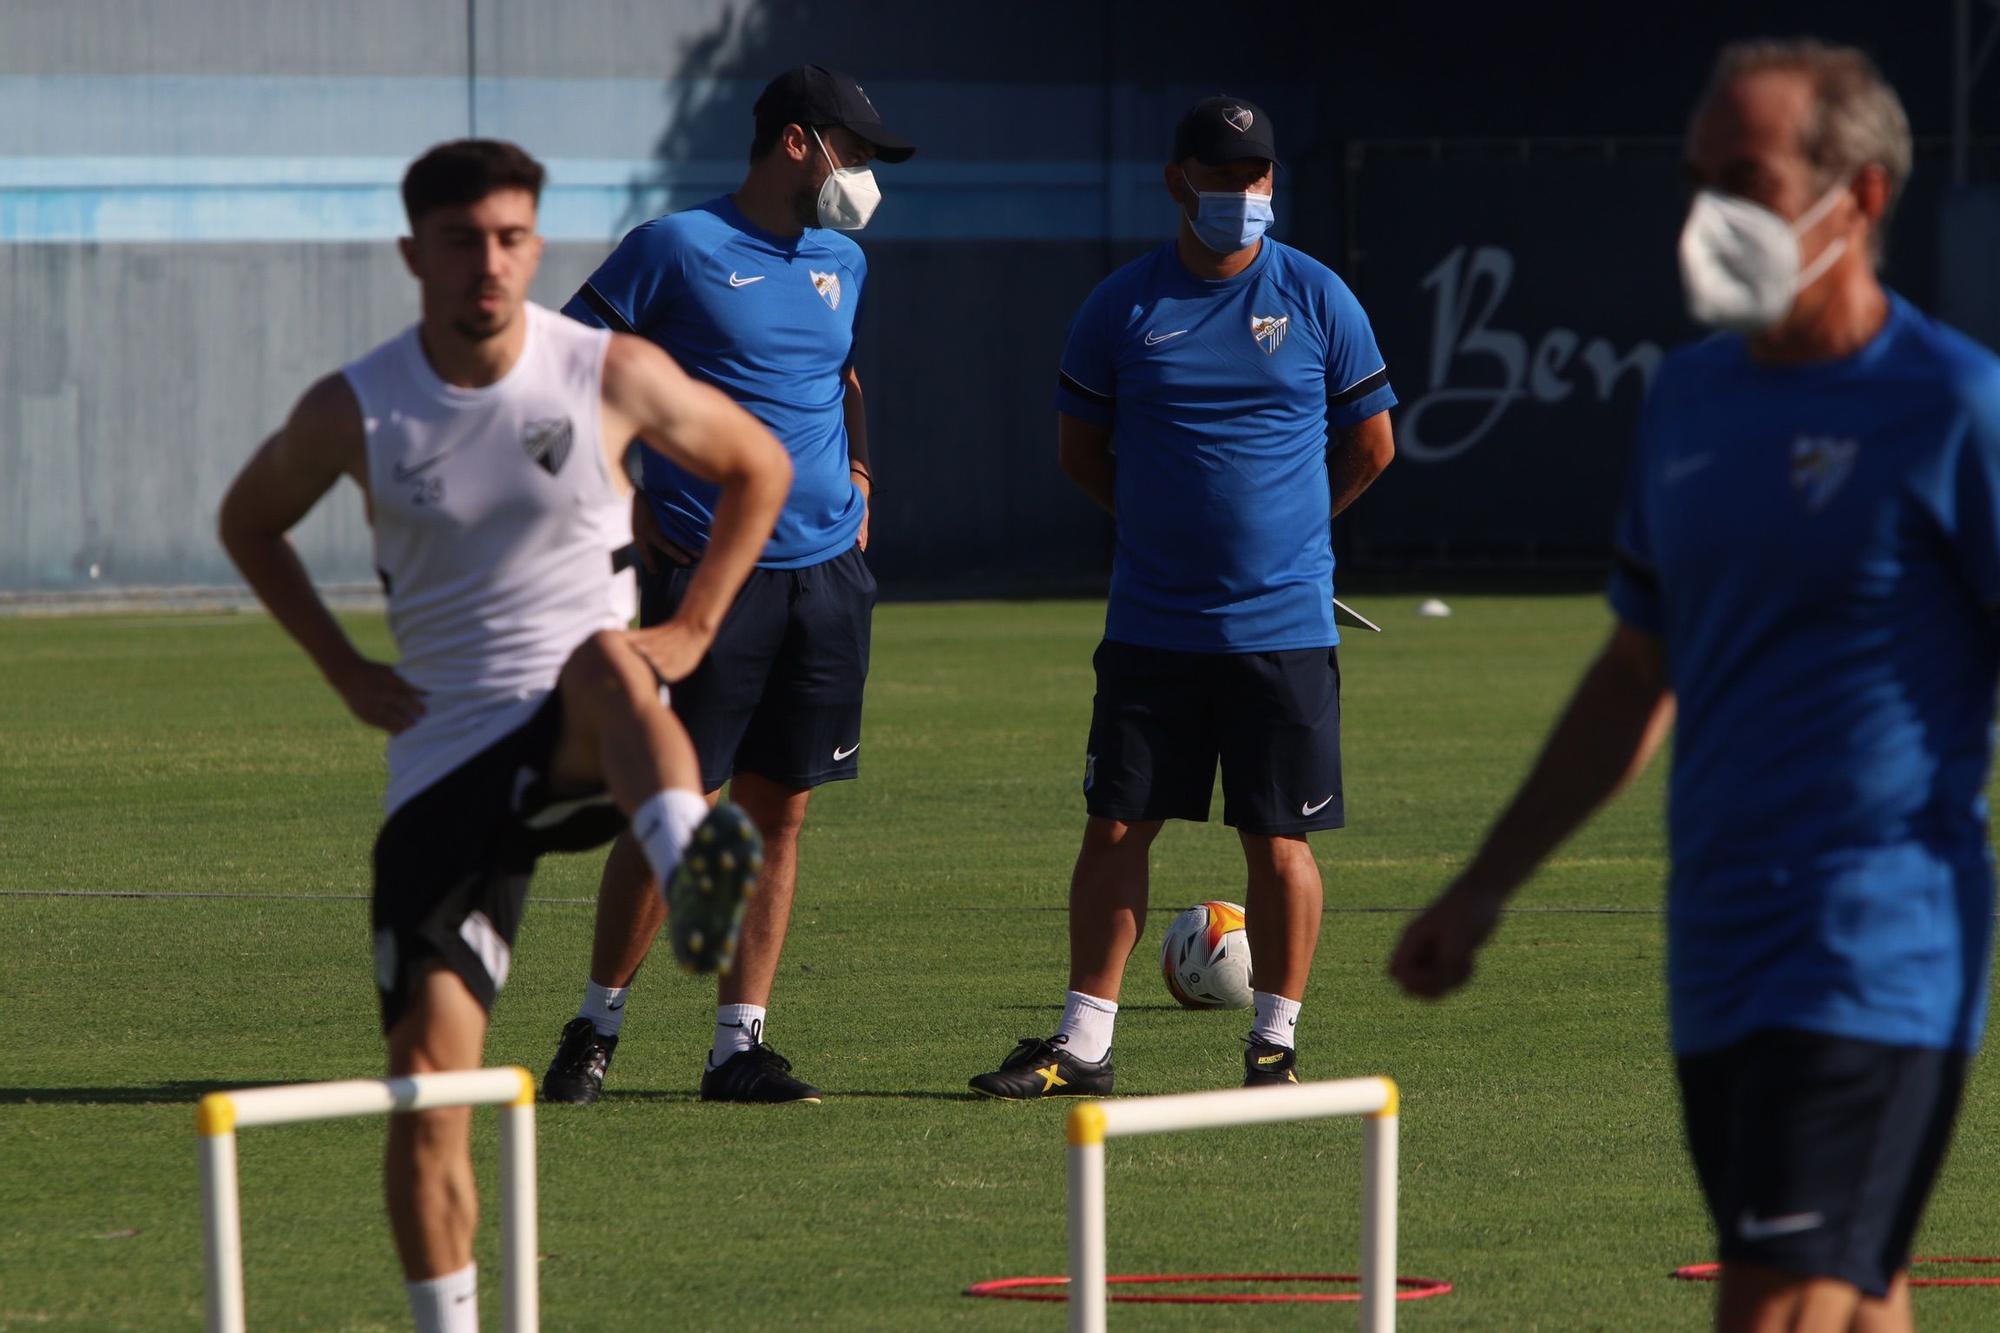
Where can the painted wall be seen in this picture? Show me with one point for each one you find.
(197, 199)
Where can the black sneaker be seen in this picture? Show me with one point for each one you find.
(1267, 1066)
(759, 1074)
(1040, 1067)
(576, 1075)
(708, 889)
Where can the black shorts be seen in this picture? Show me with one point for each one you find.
(1816, 1153)
(779, 695)
(452, 864)
(1162, 720)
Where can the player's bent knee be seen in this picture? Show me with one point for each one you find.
(597, 664)
(605, 676)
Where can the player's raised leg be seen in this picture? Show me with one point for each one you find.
(618, 736)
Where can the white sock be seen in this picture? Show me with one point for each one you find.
(604, 1006)
(448, 1304)
(738, 1027)
(663, 824)
(1277, 1017)
(1085, 1030)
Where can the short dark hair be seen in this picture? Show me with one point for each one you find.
(766, 136)
(465, 171)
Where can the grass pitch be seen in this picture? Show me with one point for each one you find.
(199, 762)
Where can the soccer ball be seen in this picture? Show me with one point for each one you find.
(1205, 958)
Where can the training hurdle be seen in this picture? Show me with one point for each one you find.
(221, 1114)
(1091, 1123)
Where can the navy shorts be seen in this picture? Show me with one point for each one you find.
(1816, 1153)
(779, 694)
(1162, 720)
(452, 864)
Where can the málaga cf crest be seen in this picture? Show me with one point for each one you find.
(1270, 330)
(828, 287)
(1820, 465)
(547, 441)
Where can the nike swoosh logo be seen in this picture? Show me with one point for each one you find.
(840, 754)
(1315, 809)
(1152, 341)
(735, 281)
(402, 473)
(614, 1008)
(1787, 1224)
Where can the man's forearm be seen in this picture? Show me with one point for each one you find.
(1609, 731)
(272, 568)
(1096, 476)
(744, 517)
(1350, 472)
(855, 416)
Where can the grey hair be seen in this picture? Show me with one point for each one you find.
(1856, 120)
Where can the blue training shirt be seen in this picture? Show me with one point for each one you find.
(1219, 396)
(769, 320)
(1819, 549)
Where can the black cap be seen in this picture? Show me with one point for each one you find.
(1224, 129)
(816, 95)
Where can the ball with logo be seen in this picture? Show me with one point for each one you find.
(1205, 957)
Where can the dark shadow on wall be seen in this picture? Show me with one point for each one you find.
(956, 338)
(704, 121)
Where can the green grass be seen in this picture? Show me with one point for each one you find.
(1542, 1169)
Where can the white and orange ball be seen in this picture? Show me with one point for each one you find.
(1205, 958)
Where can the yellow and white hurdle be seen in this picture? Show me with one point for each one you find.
(221, 1114)
(1091, 1123)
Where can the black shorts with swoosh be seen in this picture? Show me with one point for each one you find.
(1817, 1153)
(1163, 720)
(779, 693)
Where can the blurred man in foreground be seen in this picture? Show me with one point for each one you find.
(1807, 571)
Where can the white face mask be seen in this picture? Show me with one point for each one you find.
(1740, 261)
(849, 197)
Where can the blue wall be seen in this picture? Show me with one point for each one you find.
(196, 200)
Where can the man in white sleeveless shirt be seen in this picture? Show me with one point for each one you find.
(523, 716)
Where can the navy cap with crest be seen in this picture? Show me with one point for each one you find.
(1224, 129)
(816, 95)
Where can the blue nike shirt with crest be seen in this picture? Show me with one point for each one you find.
(1219, 395)
(1818, 548)
(769, 320)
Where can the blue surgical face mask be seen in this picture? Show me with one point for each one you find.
(1226, 223)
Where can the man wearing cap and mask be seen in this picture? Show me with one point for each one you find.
(1223, 398)
(1807, 573)
(755, 293)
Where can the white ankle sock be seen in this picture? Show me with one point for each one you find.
(663, 823)
(604, 1006)
(738, 1027)
(447, 1304)
(1277, 1017)
(1086, 1026)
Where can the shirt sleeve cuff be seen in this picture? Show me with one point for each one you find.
(1077, 399)
(1348, 414)
(1635, 597)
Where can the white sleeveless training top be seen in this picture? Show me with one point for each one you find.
(495, 519)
